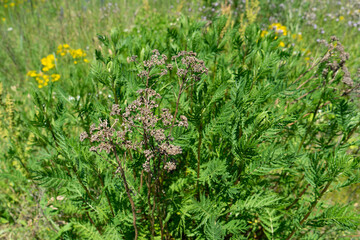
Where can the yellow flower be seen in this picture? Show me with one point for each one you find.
(341, 18)
(55, 77)
(40, 86)
(12, 4)
(75, 62)
(78, 53)
(31, 73)
(85, 60)
(278, 28)
(3, 19)
(46, 78)
(63, 49)
(48, 62)
(5, 6)
(263, 33)
(281, 44)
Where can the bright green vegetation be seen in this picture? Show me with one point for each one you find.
(253, 132)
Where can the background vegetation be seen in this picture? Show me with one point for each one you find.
(271, 150)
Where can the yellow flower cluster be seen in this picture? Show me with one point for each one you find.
(48, 62)
(43, 79)
(281, 30)
(278, 28)
(263, 33)
(64, 49)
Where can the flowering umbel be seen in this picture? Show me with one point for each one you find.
(139, 117)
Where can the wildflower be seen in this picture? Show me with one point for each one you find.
(85, 60)
(78, 53)
(83, 136)
(48, 62)
(12, 4)
(63, 49)
(263, 33)
(32, 73)
(3, 19)
(170, 166)
(278, 28)
(281, 44)
(75, 62)
(341, 18)
(55, 77)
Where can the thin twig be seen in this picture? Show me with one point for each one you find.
(313, 205)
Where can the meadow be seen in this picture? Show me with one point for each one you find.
(174, 119)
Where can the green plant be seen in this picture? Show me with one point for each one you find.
(265, 139)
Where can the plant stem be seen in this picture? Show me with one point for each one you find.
(298, 198)
(122, 173)
(177, 107)
(106, 194)
(198, 158)
(313, 205)
(152, 221)
(92, 222)
(312, 121)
